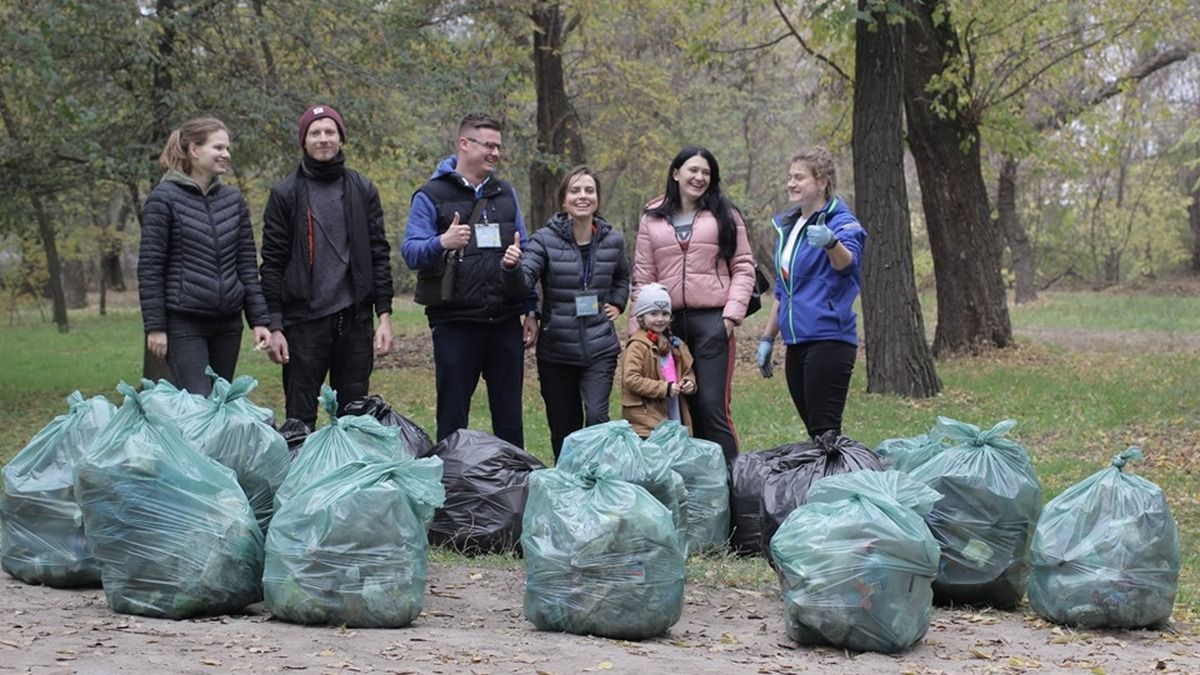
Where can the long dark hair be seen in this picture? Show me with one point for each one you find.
(712, 200)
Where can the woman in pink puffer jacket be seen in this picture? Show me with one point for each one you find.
(693, 241)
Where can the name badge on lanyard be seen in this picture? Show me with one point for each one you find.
(587, 304)
(487, 235)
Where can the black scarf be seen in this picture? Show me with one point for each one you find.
(324, 172)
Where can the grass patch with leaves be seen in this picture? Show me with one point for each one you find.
(1076, 409)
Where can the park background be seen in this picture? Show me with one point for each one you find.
(1029, 175)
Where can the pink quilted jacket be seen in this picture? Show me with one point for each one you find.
(697, 278)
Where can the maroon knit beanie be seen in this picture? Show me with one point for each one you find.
(315, 113)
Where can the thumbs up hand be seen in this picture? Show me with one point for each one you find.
(512, 255)
(457, 236)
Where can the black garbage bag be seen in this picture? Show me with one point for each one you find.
(294, 432)
(415, 438)
(486, 481)
(41, 526)
(986, 518)
(1106, 552)
(768, 485)
(602, 557)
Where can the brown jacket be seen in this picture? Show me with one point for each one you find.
(643, 389)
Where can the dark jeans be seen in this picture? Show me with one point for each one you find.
(575, 396)
(194, 343)
(818, 378)
(465, 350)
(340, 345)
(703, 330)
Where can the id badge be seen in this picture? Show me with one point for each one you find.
(487, 235)
(587, 304)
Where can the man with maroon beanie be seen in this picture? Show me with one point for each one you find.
(325, 271)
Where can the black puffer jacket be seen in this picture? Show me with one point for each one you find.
(197, 255)
(553, 259)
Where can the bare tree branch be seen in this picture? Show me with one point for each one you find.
(803, 44)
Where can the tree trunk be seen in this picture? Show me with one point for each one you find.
(1194, 217)
(966, 246)
(559, 142)
(898, 357)
(74, 284)
(1024, 267)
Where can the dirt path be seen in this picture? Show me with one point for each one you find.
(473, 623)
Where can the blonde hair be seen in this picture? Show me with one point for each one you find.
(820, 162)
(196, 131)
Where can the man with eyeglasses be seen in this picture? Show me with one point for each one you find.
(464, 211)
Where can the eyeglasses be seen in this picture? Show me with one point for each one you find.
(494, 147)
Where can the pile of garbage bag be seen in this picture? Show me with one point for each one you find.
(231, 429)
(769, 484)
(345, 439)
(42, 540)
(701, 464)
(171, 528)
(351, 549)
(415, 439)
(1106, 552)
(602, 557)
(985, 520)
(485, 478)
(614, 449)
(857, 562)
(905, 454)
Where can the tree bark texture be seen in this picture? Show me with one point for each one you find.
(1024, 265)
(898, 357)
(559, 141)
(1194, 217)
(944, 139)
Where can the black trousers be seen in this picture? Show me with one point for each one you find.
(340, 345)
(465, 350)
(703, 330)
(575, 396)
(194, 343)
(818, 378)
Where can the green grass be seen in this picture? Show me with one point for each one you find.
(1075, 409)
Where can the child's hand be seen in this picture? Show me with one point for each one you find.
(687, 387)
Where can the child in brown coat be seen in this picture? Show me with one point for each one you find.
(657, 367)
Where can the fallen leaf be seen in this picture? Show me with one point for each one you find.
(728, 639)
(1097, 671)
(210, 662)
(475, 576)
(605, 665)
(6, 643)
(980, 654)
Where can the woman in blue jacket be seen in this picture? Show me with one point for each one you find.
(197, 266)
(818, 273)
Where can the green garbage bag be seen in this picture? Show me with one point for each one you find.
(173, 532)
(985, 521)
(241, 404)
(615, 448)
(701, 464)
(351, 548)
(857, 562)
(42, 540)
(344, 440)
(602, 557)
(167, 401)
(906, 454)
(230, 429)
(1106, 552)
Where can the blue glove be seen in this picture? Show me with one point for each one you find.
(766, 346)
(820, 236)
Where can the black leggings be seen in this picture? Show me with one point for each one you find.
(194, 342)
(818, 378)
(575, 396)
(703, 331)
(340, 345)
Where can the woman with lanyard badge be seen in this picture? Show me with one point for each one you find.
(693, 241)
(818, 261)
(579, 260)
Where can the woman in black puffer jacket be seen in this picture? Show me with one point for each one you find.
(197, 265)
(579, 260)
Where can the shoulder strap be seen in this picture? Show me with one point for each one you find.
(480, 205)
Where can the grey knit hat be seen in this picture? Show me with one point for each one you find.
(652, 297)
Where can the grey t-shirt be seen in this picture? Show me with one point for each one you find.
(683, 225)
(332, 289)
